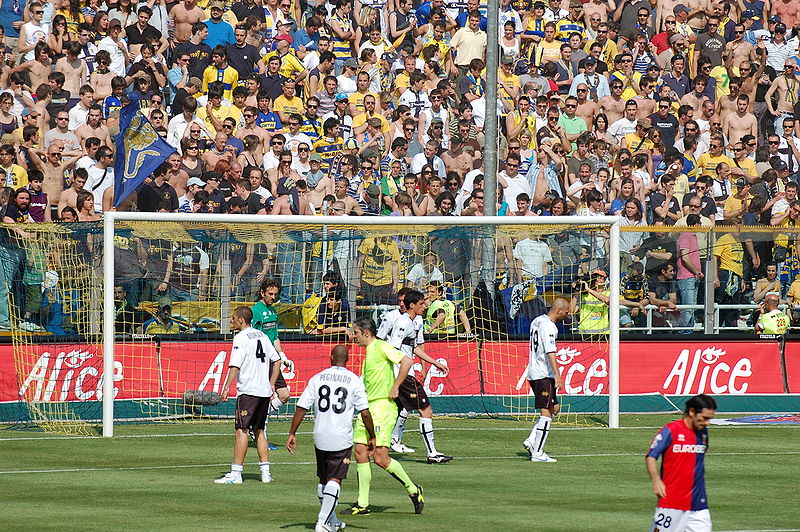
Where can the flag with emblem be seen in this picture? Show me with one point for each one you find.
(140, 150)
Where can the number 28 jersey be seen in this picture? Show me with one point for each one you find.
(335, 393)
(252, 352)
(543, 341)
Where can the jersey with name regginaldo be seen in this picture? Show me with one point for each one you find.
(335, 393)
(682, 466)
(543, 341)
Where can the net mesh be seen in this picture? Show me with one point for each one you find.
(177, 284)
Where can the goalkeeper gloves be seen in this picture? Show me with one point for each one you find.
(286, 361)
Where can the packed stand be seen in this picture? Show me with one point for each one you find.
(665, 113)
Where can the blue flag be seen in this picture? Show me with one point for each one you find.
(140, 150)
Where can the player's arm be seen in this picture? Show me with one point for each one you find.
(233, 372)
(299, 414)
(366, 417)
(420, 352)
(405, 367)
(659, 488)
(273, 376)
(551, 356)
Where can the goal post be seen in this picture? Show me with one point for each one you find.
(288, 232)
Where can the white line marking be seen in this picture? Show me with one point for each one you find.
(515, 457)
(461, 429)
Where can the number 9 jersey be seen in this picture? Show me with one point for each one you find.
(335, 393)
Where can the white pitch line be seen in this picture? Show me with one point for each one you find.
(515, 457)
(460, 429)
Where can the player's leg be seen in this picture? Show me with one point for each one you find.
(363, 469)
(421, 402)
(698, 521)
(397, 433)
(545, 400)
(262, 446)
(394, 468)
(243, 422)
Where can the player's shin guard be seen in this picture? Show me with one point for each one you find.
(330, 496)
(396, 470)
(539, 434)
(364, 474)
(400, 426)
(426, 429)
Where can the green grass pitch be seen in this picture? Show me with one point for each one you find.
(159, 476)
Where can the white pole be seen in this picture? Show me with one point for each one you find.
(108, 326)
(613, 321)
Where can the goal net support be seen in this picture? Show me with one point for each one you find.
(153, 296)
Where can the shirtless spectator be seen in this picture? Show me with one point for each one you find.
(737, 125)
(74, 69)
(94, 127)
(52, 164)
(456, 159)
(185, 14)
(69, 197)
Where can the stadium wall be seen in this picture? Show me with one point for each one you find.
(745, 376)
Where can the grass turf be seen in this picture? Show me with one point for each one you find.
(159, 476)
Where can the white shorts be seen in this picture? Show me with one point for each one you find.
(670, 520)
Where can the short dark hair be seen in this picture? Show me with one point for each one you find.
(699, 402)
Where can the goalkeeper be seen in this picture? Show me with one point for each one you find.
(265, 319)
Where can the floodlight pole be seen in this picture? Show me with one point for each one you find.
(490, 115)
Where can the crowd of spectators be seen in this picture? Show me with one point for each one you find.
(665, 113)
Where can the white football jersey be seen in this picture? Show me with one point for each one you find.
(252, 352)
(387, 322)
(335, 393)
(543, 341)
(406, 335)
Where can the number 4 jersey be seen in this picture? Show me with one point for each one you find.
(252, 352)
(335, 393)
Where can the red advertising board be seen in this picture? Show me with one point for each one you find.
(73, 372)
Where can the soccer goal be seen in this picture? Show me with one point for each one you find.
(156, 293)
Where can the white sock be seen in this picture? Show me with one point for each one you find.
(540, 432)
(320, 487)
(426, 429)
(400, 426)
(264, 467)
(330, 496)
(236, 470)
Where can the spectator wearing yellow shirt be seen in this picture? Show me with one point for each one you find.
(213, 113)
(379, 264)
(291, 67)
(729, 257)
(707, 163)
(737, 204)
(639, 139)
(288, 102)
(628, 77)
(741, 160)
(362, 90)
(509, 83)
(220, 71)
(360, 120)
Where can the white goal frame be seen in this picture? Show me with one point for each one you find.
(612, 223)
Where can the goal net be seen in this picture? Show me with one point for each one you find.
(159, 307)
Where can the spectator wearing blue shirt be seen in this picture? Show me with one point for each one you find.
(219, 31)
(307, 37)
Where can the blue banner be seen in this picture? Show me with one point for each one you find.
(140, 150)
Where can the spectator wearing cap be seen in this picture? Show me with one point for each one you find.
(571, 24)
(736, 205)
(291, 67)
(596, 84)
(116, 47)
(341, 113)
(162, 323)
(220, 33)
(347, 78)
(186, 202)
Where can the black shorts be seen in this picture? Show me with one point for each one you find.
(280, 382)
(544, 390)
(251, 412)
(332, 464)
(412, 395)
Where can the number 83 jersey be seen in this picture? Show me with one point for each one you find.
(335, 393)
